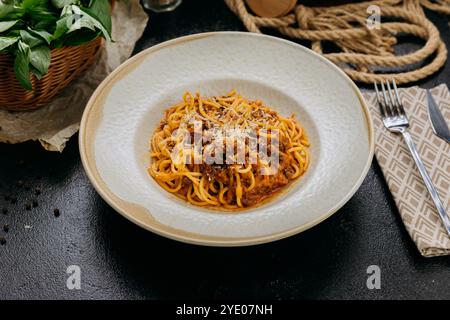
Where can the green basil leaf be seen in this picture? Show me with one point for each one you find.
(42, 34)
(36, 72)
(81, 23)
(58, 43)
(48, 25)
(80, 37)
(6, 25)
(93, 20)
(40, 58)
(67, 10)
(6, 9)
(31, 4)
(22, 65)
(30, 39)
(101, 11)
(6, 42)
(62, 3)
(62, 26)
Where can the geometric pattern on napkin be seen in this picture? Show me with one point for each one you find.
(402, 176)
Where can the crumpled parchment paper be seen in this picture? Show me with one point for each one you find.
(54, 124)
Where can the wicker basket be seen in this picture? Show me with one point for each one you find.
(67, 64)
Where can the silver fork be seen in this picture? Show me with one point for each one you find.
(395, 120)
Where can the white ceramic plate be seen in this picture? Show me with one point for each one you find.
(126, 108)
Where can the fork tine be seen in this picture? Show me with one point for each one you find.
(380, 103)
(388, 106)
(399, 102)
(391, 98)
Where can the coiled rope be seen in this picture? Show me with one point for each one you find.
(366, 54)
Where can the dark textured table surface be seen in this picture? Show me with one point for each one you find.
(118, 260)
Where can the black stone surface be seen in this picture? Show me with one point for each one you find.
(118, 260)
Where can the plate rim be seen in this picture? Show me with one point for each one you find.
(123, 206)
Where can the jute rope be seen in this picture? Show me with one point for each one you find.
(366, 54)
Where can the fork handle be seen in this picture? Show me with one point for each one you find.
(426, 178)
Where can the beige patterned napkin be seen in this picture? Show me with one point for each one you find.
(405, 183)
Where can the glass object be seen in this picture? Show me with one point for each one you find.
(161, 5)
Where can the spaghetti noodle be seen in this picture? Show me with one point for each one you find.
(227, 151)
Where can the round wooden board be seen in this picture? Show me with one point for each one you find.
(271, 8)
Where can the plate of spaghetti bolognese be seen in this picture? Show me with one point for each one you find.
(226, 139)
